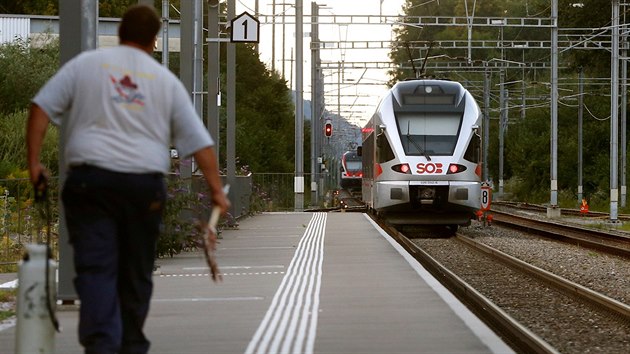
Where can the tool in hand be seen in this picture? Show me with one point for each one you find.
(210, 241)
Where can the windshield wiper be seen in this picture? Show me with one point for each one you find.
(421, 150)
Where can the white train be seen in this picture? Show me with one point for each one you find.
(422, 154)
(350, 171)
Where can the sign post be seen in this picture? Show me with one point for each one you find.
(486, 200)
(486, 196)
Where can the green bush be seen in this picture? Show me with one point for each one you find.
(25, 69)
(13, 143)
(184, 210)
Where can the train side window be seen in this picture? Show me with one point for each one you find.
(367, 155)
(384, 151)
(473, 152)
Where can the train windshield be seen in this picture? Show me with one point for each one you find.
(429, 133)
(353, 165)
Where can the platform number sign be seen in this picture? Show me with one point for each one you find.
(486, 196)
(245, 28)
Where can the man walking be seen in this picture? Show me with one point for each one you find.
(123, 110)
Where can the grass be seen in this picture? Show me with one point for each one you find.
(8, 268)
(4, 314)
(7, 296)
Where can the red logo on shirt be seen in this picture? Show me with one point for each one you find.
(127, 91)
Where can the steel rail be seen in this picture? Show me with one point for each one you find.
(615, 307)
(564, 211)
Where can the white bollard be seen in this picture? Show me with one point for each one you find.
(35, 332)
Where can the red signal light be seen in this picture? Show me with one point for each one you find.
(328, 128)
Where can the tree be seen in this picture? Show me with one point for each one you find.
(265, 111)
(29, 7)
(527, 147)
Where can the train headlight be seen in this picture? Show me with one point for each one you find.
(402, 168)
(455, 168)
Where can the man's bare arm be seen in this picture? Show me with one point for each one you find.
(36, 127)
(207, 162)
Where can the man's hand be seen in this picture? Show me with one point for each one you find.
(220, 200)
(207, 162)
(41, 187)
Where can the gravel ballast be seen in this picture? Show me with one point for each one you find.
(565, 323)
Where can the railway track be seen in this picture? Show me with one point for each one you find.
(563, 211)
(533, 308)
(593, 298)
(343, 200)
(604, 240)
(517, 335)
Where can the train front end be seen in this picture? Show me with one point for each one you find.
(422, 154)
(351, 171)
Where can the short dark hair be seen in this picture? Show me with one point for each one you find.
(140, 24)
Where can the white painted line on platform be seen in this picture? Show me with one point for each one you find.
(256, 248)
(264, 236)
(480, 329)
(237, 267)
(9, 285)
(290, 323)
(8, 323)
(188, 275)
(210, 299)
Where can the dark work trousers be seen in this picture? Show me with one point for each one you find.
(113, 222)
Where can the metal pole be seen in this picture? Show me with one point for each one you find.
(283, 39)
(315, 126)
(186, 73)
(198, 58)
(523, 95)
(273, 36)
(469, 20)
(165, 20)
(614, 112)
(214, 82)
(320, 134)
(580, 134)
(231, 108)
(257, 14)
(623, 117)
(553, 210)
(501, 127)
(78, 23)
(299, 111)
(486, 122)
(338, 92)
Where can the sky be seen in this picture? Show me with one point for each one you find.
(359, 89)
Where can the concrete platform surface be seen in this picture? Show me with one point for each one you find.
(300, 283)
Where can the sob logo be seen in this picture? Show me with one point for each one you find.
(429, 168)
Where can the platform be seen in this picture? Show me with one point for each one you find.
(301, 283)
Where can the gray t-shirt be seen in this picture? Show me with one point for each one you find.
(124, 109)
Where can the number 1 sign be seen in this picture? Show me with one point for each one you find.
(245, 28)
